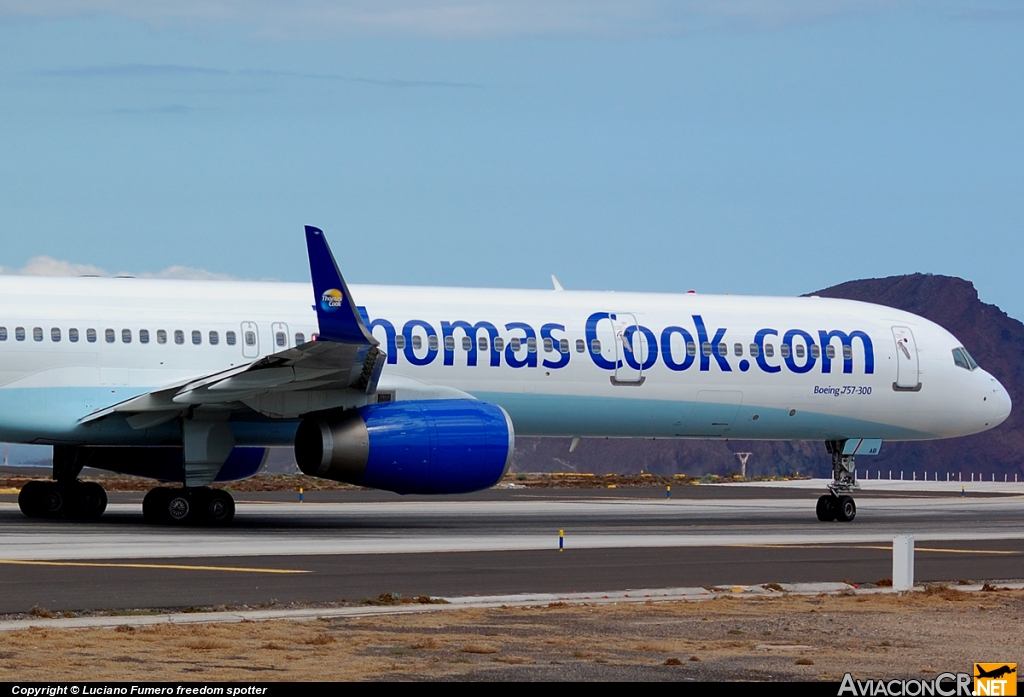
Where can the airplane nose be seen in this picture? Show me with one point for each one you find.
(1001, 402)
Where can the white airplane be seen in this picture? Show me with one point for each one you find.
(421, 390)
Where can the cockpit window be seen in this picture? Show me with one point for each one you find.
(963, 359)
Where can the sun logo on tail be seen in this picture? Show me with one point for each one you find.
(330, 301)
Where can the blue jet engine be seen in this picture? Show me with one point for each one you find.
(449, 446)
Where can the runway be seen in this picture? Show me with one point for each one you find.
(354, 545)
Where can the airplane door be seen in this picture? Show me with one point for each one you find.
(908, 367)
(250, 340)
(626, 346)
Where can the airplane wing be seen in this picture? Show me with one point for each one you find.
(343, 356)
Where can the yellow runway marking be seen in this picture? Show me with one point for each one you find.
(180, 567)
(9, 491)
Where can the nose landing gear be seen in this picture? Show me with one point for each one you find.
(838, 504)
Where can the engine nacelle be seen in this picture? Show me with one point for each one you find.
(444, 446)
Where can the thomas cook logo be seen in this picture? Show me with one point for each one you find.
(995, 679)
(331, 300)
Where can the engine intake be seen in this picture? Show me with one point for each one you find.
(413, 447)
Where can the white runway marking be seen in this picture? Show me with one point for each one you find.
(473, 526)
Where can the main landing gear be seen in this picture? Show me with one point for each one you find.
(74, 499)
(188, 506)
(838, 504)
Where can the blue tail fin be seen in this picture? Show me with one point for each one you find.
(335, 311)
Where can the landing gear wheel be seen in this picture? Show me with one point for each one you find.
(54, 501)
(827, 508)
(218, 507)
(180, 509)
(30, 499)
(90, 500)
(847, 509)
(154, 505)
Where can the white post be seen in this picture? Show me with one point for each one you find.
(903, 562)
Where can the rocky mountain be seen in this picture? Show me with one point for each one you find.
(994, 339)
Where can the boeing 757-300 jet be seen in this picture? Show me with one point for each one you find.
(421, 390)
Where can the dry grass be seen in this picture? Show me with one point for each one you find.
(811, 638)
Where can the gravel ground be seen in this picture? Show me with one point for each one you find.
(787, 637)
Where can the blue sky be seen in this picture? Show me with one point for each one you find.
(755, 146)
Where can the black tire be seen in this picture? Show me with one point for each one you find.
(847, 509)
(180, 508)
(154, 505)
(30, 499)
(90, 500)
(218, 508)
(54, 501)
(827, 508)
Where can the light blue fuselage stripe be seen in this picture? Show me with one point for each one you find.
(51, 415)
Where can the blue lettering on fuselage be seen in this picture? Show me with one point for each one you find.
(797, 351)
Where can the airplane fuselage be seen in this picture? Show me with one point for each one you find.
(561, 363)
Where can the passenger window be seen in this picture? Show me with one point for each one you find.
(281, 339)
(399, 342)
(37, 333)
(126, 336)
(738, 350)
(815, 351)
(499, 344)
(705, 348)
(300, 338)
(90, 336)
(232, 339)
(515, 344)
(830, 351)
(3, 333)
(595, 346)
(108, 335)
(214, 338)
(449, 343)
(417, 343)
(799, 350)
(179, 337)
(769, 350)
(73, 335)
(143, 336)
(723, 350)
(563, 346)
(581, 346)
(549, 346)
(250, 338)
(19, 333)
(55, 334)
(197, 337)
(784, 350)
(847, 352)
(432, 343)
(481, 343)
(467, 344)
(531, 345)
(691, 348)
(754, 351)
(161, 336)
